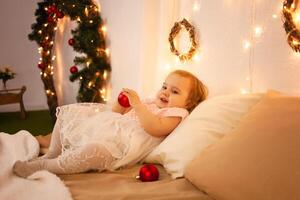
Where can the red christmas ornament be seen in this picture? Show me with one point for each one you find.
(71, 41)
(41, 66)
(59, 14)
(51, 9)
(50, 19)
(148, 173)
(123, 100)
(73, 69)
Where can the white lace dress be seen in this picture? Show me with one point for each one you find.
(121, 135)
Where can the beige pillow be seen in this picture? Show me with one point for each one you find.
(208, 122)
(259, 160)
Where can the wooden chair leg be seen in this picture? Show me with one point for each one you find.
(22, 109)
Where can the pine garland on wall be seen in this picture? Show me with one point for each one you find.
(87, 38)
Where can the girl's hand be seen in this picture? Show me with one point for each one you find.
(133, 97)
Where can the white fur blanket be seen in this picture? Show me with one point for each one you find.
(40, 185)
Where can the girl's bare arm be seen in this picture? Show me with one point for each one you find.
(154, 125)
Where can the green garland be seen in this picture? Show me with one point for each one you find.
(87, 39)
(293, 34)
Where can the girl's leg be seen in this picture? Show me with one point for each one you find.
(55, 143)
(89, 157)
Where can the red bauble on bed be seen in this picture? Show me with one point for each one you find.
(123, 100)
(148, 173)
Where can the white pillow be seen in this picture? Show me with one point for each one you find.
(208, 122)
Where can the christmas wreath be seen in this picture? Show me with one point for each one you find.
(293, 34)
(174, 32)
(87, 39)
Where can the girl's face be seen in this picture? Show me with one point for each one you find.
(174, 92)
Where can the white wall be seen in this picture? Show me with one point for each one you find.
(138, 41)
(21, 54)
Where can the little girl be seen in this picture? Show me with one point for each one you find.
(84, 139)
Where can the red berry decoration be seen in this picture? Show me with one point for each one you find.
(59, 14)
(51, 9)
(41, 66)
(123, 100)
(71, 41)
(148, 173)
(50, 20)
(73, 69)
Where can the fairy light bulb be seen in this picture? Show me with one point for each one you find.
(196, 57)
(105, 75)
(78, 19)
(104, 29)
(86, 11)
(91, 21)
(40, 32)
(258, 31)
(295, 42)
(297, 18)
(243, 91)
(196, 6)
(107, 51)
(247, 44)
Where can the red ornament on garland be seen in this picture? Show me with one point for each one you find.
(51, 9)
(148, 173)
(50, 19)
(59, 14)
(123, 100)
(41, 66)
(73, 69)
(71, 41)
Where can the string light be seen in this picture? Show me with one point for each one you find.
(107, 51)
(196, 6)
(86, 11)
(105, 75)
(244, 91)
(104, 29)
(297, 18)
(258, 31)
(247, 44)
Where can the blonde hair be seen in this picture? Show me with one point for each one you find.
(198, 91)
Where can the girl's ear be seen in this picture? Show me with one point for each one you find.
(188, 104)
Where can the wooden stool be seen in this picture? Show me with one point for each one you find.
(14, 96)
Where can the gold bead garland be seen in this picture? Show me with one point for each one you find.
(174, 31)
(293, 34)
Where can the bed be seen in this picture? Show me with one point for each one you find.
(231, 147)
(122, 184)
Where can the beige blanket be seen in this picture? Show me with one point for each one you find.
(122, 185)
(40, 185)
